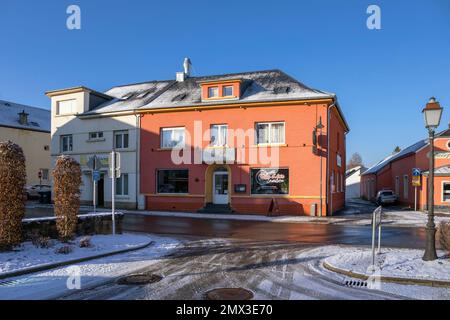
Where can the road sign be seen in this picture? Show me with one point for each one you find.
(416, 172)
(95, 175)
(114, 164)
(416, 181)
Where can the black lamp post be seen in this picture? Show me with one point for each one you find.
(432, 114)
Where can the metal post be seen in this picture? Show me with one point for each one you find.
(430, 249)
(373, 237)
(415, 198)
(113, 190)
(94, 193)
(321, 176)
(379, 238)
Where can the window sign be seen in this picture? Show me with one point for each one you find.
(270, 181)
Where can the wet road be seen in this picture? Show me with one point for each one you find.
(271, 270)
(269, 231)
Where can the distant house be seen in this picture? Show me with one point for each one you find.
(29, 127)
(353, 182)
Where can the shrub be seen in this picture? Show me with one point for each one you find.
(85, 242)
(64, 250)
(40, 241)
(66, 188)
(12, 194)
(444, 235)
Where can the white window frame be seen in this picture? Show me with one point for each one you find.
(121, 133)
(210, 90)
(220, 128)
(121, 180)
(45, 176)
(72, 107)
(173, 129)
(69, 143)
(97, 135)
(270, 123)
(406, 186)
(442, 191)
(229, 95)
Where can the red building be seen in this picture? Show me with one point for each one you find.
(243, 143)
(395, 173)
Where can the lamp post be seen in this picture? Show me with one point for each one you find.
(319, 128)
(432, 116)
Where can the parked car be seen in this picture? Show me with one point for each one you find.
(385, 197)
(34, 191)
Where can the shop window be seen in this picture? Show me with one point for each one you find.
(173, 181)
(269, 181)
(270, 133)
(122, 185)
(446, 191)
(172, 137)
(121, 139)
(219, 134)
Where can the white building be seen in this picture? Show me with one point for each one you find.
(87, 123)
(353, 182)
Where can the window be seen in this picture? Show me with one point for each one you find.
(446, 191)
(122, 185)
(338, 160)
(397, 185)
(213, 92)
(405, 186)
(172, 137)
(227, 91)
(270, 133)
(44, 174)
(95, 135)
(269, 181)
(120, 139)
(66, 107)
(342, 182)
(219, 134)
(172, 181)
(66, 143)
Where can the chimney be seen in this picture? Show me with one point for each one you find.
(23, 117)
(187, 66)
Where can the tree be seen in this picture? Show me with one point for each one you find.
(396, 150)
(355, 160)
(12, 194)
(67, 181)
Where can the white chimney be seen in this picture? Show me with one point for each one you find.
(187, 65)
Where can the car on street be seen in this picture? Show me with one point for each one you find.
(386, 197)
(33, 191)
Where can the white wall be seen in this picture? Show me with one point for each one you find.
(353, 185)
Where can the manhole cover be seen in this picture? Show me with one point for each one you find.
(229, 294)
(141, 278)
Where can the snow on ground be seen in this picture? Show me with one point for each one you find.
(53, 283)
(27, 255)
(400, 263)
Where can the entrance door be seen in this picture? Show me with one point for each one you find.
(220, 187)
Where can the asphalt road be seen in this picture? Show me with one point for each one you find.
(269, 231)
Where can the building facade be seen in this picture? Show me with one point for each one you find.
(353, 182)
(29, 127)
(396, 173)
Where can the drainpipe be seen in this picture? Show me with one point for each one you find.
(328, 189)
(138, 156)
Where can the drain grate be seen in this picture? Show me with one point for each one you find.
(229, 294)
(140, 278)
(355, 283)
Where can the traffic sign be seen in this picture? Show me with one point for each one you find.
(115, 163)
(95, 175)
(416, 172)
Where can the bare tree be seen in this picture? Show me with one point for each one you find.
(396, 150)
(355, 160)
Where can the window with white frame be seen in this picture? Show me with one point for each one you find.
(96, 135)
(213, 92)
(172, 137)
(446, 191)
(66, 107)
(121, 139)
(219, 134)
(227, 91)
(44, 174)
(270, 133)
(405, 186)
(122, 185)
(66, 143)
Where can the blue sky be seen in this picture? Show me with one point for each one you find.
(382, 78)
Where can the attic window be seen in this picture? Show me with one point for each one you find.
(281, 90)
(213, 92)
(179, 97)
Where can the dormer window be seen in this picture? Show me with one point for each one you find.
(227, 91)
(213, 92)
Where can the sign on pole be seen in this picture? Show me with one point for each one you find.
(114, 172)
(416, 173)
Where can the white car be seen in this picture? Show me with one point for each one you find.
(33, 191)
(386, 197)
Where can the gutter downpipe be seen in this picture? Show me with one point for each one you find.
(328, 189)
(138, 156)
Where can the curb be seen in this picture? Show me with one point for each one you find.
(406, 281)
(69, 262)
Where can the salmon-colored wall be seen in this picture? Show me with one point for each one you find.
(296, 154)
(236, 89)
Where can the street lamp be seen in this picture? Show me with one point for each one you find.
(432, 116)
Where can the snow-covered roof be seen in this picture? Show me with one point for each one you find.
(353, 170)
(130, 97)
(257, 86)
(38, 119)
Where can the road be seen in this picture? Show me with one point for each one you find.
(269, 231)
